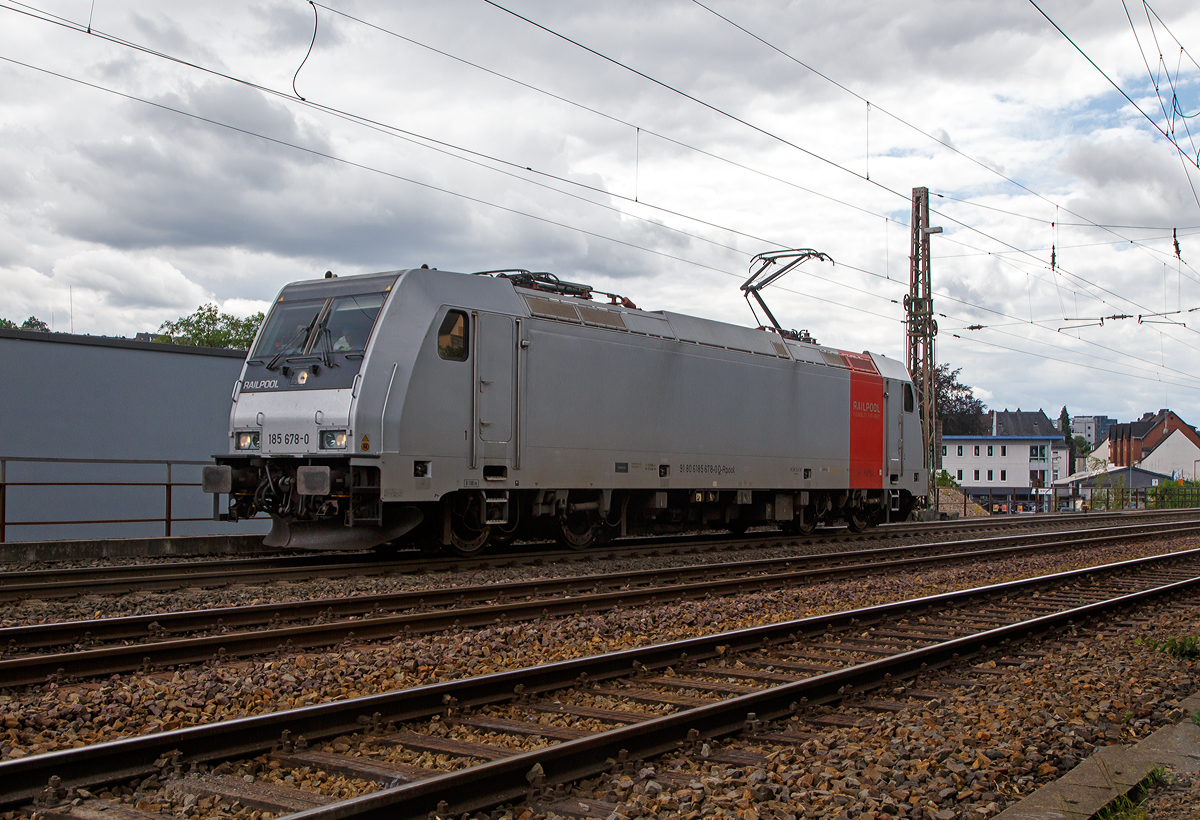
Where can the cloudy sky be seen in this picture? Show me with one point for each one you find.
(166, 159)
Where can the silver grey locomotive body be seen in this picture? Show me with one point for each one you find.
(458, 409)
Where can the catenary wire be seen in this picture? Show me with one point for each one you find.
(429, 186)
(355, 118)
(972, 340)
(366, 121)
(904, 122)
(643, 129)
(362, 166)
(571, 227)
(1108, 78)
(431, 143)
(760, 130)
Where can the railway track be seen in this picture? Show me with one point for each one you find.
(71, 582)
(95, 648)
(537, 728)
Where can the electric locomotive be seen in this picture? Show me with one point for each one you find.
(425, 407)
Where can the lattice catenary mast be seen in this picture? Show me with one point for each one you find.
(921, 328)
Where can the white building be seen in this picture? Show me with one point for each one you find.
(1176, 456)
(1004, 469)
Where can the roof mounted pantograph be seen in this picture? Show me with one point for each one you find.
(763, 271)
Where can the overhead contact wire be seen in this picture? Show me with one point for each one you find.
(356, 118)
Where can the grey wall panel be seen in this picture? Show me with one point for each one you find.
(81, 397)
(84, 401)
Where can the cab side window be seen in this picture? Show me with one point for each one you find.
(452, 337)
(908, 398)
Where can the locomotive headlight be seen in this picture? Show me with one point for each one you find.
(333, 439)
(247, 440)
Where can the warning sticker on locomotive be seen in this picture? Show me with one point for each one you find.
(705, 469)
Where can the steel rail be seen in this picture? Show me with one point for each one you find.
(59, 575)
(59, 667)
(22, 779)
(75, 581)
(489, 784)
(91, 632)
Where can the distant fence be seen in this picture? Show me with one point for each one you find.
(1149, 498)
(1166, 497)
(46, 499)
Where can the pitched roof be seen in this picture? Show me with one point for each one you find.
(1023, 423)
(1142, 427)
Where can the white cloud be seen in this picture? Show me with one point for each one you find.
(146, 213)
(244, 307)
(120, 280)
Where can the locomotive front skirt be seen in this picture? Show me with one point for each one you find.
(427, 407)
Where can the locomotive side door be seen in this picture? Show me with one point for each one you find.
(494, 349)
(910, 423)
(894, 428)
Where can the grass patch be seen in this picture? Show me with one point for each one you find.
(1129, 806)
(1186, 648)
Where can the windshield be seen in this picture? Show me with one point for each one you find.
(350, 321)
(287, 329)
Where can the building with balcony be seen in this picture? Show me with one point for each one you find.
(1002, 473)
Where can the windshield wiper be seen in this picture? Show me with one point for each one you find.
(301, 335)
(326, 345)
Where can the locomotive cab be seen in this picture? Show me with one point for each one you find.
(292, 432)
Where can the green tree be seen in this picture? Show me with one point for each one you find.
(1081, 446)
(208, 327)
(1064, 427)
(960, 412)
(944, 479)
(32, 323)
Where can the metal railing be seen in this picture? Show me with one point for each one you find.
(1163, 497)
(1147, 498)
(168, 486)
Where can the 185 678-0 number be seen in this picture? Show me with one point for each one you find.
(287, 438)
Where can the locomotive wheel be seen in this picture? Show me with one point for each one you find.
(856, 521)
(578, 530)
(465, 541)
(737, 526)
(806, 528)
(467, 537)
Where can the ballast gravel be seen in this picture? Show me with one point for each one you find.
(969, 753)
(982, 747)
(40, 719)
(1176, 796)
